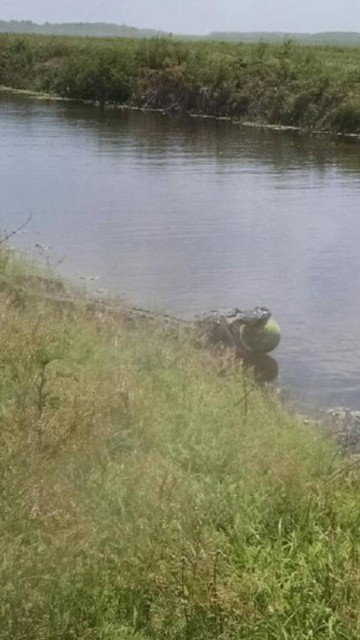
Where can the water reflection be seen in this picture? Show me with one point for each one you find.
(264, 368)
(159, 134)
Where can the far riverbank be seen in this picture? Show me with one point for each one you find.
(288, 84)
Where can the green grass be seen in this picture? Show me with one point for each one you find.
(312, 87)
(141, 498)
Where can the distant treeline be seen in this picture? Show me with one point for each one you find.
(104, 29)
(342, 38)
(97, 29)
(314, 88)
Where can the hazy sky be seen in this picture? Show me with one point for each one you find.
(195, 16)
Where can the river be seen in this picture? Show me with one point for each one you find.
(185, 215)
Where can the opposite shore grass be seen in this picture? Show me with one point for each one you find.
(141, 498)
(315, 88)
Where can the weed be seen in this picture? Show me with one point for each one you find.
(313, 87)
(146, 495)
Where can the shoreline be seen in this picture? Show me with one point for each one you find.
(39, 95)
(341, 424)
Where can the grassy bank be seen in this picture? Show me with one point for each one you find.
(150, 491)
(316, 88)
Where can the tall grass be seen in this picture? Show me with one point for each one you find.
(142, 498)
(287, 84)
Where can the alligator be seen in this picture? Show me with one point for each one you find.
(244, 330)
(250, 332)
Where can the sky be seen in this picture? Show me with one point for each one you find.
(195, 16)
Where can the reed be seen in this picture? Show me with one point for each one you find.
(289, 84)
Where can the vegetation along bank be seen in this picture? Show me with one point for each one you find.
(289, 84)
(152, 491)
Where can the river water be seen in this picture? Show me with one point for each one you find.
(187, 215)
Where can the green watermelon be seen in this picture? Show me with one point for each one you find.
(262, 338)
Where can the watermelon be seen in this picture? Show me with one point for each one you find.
(261, 338)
